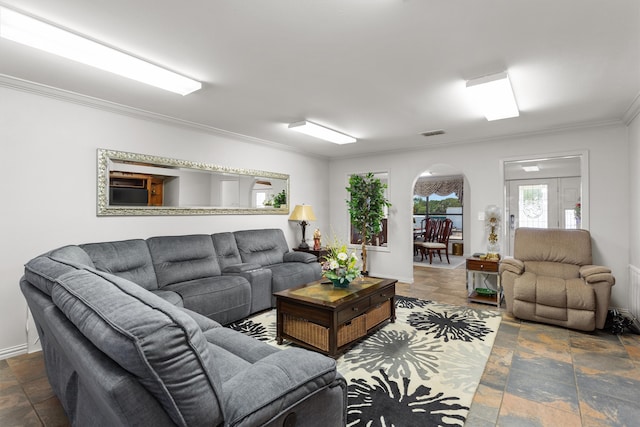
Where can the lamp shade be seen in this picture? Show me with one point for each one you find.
(302, 213)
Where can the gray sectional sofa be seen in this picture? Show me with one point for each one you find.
(132, 333)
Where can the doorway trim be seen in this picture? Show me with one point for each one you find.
(584, 182)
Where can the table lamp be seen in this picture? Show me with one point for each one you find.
(303, 214)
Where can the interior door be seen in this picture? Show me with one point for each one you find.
(543, 203)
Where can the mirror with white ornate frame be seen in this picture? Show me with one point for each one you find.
(141, 184)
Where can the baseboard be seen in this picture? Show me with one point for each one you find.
(6, 353)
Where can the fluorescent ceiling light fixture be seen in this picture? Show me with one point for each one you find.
(312, 129)
(494, 96)
(40, 35)
(533, 168)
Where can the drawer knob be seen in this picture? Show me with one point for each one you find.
(355, 308)
(481, 265)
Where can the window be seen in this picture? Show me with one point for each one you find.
(438, 207)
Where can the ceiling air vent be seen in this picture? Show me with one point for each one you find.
(433, 132)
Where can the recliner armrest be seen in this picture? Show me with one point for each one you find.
(513, 265)
(297, 256)
(597, 273)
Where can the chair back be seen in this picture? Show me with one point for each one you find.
(443, 231)
(553, 245)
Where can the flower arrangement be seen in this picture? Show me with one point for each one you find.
(493, 218)
(339, 266)
(577, 210)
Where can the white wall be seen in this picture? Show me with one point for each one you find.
(634, 192)
(480, 164)
(48, 185)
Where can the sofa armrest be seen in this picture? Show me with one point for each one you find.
(513, 265)
(204, 323)
(241, 268)
(597, 273)
(297, 256)
(257, 394)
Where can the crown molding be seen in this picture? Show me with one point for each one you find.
(633, 110)
(466, 141)
(113, 107)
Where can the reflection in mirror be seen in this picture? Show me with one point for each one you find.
(139, 184)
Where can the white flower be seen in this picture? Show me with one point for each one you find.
(342, 256)
(333, 264)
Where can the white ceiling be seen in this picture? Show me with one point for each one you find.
(383, 71)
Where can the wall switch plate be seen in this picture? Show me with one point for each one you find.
(480, 216)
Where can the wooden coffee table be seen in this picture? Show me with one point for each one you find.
(327, 319)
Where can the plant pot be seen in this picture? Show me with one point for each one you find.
(340, 283)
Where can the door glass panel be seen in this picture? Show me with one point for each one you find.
(533, 205)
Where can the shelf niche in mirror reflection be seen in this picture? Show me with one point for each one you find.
(141, 184)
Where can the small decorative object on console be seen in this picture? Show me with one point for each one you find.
(316, 239)
(340, 267)
(493, 218)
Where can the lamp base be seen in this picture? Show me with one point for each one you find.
(303, 245)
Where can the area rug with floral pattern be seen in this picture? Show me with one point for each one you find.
(421, 370)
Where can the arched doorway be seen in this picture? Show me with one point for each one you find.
(439, 193)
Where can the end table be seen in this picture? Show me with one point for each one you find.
(483, 267)
(319, 253)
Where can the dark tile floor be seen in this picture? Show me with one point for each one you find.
(537, 375)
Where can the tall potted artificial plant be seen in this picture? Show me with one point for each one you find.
(366, 208)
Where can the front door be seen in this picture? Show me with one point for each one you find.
(542, 203)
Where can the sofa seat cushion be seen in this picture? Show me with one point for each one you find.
(551, 291)
(542, 297)
(129, 259)
(289, 274)
(254, 395)
(170, 296)
(580, 296)
(183, 258)
(147, 336)
(248, 348)
(222, 298)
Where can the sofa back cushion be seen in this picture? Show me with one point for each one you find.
(264, 247)
(182, 258)
(159, 344)
(129, 259)
(43, 270)
(226, 249)
(553, 245)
